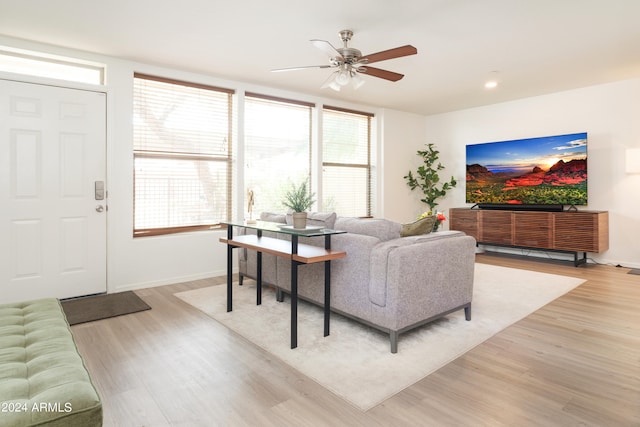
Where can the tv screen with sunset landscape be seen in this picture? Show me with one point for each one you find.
(549, 170)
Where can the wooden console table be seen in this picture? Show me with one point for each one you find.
(298, 253)
(567, 231)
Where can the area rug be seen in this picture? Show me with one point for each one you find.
(92, 308)
(355, 361)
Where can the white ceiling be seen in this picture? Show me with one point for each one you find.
(533, 47)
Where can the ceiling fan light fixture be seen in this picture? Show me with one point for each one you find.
(331, 82)
(356, 80)
(343, 77)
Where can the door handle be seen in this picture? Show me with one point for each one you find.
(99, 208)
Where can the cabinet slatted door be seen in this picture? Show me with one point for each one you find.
(533, 229)
(465, 220)
(496, 227)
(581, 231)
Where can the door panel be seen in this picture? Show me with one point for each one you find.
(52, 150)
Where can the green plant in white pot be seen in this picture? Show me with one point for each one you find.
(299, 199)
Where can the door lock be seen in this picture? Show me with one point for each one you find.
(99, 208)
(99, 190)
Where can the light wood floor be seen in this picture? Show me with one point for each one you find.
(575, 362)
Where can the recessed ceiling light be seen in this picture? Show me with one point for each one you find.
(492, 80)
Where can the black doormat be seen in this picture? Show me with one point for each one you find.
(89, 309)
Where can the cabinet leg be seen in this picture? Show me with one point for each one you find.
(577, 262)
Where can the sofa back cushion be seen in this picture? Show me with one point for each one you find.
(380, 228)
(323, 219)
(273, 217)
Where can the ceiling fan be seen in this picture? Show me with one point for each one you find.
(350, 62)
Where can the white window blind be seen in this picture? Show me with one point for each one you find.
(346, 162)
(182, 155)
(277, 148)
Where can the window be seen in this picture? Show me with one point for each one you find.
(182, 155)
(51, 66)
(346, 162)
(277, 148)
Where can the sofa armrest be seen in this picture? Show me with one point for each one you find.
(380, 259)
(425, 279)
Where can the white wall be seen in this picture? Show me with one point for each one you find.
(609, 113)
(402, 135)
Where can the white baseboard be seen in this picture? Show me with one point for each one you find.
(167, 281)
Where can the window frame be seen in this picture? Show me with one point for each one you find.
(367, 166)
(285, 102)
(227, 160)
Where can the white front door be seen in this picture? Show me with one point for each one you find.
(52, 227)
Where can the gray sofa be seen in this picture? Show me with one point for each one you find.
(386, 281)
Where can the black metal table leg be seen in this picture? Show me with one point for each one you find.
(259, 279)
(327, 288)
(259, 274)
(294, 293)
(229, 269)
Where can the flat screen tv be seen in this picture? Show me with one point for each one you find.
(538, 173)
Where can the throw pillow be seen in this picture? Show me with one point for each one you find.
(421, 226)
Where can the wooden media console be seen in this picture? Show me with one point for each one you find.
(568, 231)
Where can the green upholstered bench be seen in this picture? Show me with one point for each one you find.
(43, 379)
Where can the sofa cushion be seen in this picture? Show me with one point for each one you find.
(421, 226)
(323, 219)
(41, 372)
(382, 229)
(273, 217)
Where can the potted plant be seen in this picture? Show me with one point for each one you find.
(299, 199)
(427, 179)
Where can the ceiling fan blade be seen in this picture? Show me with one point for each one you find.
(327, 48)
(277, 70)
(388, 54)
(383, 74)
